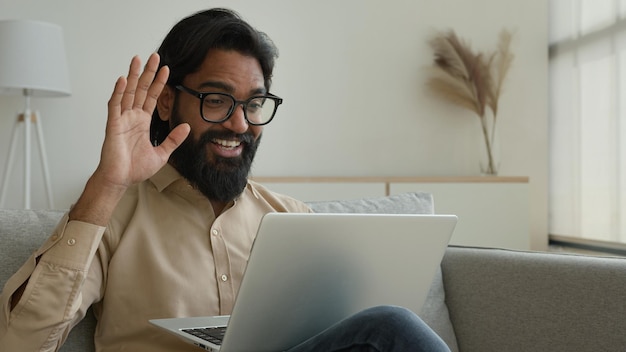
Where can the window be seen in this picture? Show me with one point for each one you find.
(588, 119)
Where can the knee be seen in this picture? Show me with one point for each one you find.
(392, 315)
(398, 326)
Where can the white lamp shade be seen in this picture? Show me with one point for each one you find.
(32, 57)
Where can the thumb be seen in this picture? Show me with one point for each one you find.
(176, 137)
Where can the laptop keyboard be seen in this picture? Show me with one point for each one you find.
(212, 334)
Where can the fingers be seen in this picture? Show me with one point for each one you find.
(133, 76)
(145, 81)
(155, 89)
(117, 96)
(142, 88)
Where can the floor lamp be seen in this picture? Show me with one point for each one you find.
(32, 64)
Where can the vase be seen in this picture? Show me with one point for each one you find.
(488, 146)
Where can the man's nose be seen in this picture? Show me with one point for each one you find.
(237, 121)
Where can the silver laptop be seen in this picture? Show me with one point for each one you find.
(309, 271)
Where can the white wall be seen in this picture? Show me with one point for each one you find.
(351, 72)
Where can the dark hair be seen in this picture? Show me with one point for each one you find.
(186, 45)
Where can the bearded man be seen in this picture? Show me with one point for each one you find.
(165, 224)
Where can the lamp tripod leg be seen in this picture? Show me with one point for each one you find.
(27, 143)
(10, 159)
(44, 159)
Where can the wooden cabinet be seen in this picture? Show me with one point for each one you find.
(492, 211)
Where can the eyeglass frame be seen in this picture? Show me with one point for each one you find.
(244, 103)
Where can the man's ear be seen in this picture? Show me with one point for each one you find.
(165, 103)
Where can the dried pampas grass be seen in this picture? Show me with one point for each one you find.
(472, 80)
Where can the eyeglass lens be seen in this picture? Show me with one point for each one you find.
(216, 107)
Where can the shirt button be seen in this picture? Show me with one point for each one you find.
(71, 242)
(215, 232)
(224, 278)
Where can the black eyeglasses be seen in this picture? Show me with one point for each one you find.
(218, 107)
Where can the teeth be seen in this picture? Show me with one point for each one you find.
(227, 144)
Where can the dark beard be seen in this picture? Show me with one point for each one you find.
(221, 179)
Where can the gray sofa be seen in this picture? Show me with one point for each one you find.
(481, 300)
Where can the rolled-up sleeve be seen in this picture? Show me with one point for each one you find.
(53, 297)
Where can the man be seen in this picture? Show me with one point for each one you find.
(165, 224)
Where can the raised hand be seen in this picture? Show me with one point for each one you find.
(127, 155)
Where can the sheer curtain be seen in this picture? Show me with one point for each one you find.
(587, 119)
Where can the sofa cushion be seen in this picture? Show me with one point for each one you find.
(404, 203)
(435, 312)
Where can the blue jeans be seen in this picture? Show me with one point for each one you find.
(378, 329)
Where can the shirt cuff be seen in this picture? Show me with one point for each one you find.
(72, 245)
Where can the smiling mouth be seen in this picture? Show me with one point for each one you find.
(226, 144)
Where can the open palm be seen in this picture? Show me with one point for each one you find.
(128, 156)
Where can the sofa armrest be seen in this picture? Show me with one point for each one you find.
(21, 233)
(502, 300)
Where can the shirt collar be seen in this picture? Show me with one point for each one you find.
(165, 177)
(169, 175)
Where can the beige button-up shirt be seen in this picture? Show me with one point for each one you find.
(163, 254)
